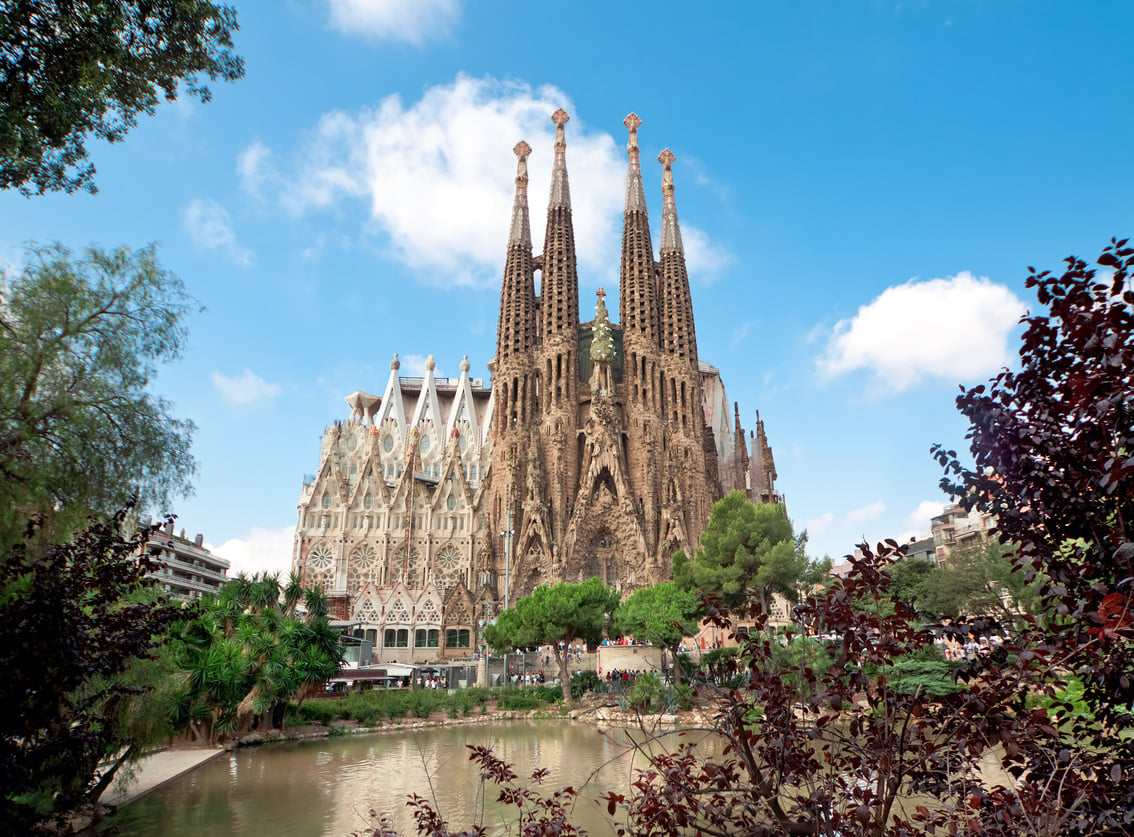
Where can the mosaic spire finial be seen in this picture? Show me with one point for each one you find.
(671, 233)
(602, 345)
(635, 194)
(560, 193)
(521, 226)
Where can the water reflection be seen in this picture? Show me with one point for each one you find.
(328, 787)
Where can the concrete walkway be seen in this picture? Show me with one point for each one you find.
(154, 771)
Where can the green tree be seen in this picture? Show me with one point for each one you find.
(73, 619)
(244, 656)
(81, 336)
(86, 68)
(662, 614)
(748, 552)
(910, 578)
(553, 614)
(978, 580)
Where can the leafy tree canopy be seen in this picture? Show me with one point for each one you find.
(71, 622)
(552, 614)
(74, 69)
(81, 336)
(1053, 446)
(662, 615)
(747, 552)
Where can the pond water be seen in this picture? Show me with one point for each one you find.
(327, 787)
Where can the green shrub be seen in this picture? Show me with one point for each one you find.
(646, 692)
(583, 682)
(934, 678)
(683, 697)
(519, 700)
(549, 694)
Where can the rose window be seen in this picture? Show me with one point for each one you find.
(448, 567)
(363, 568)
(320, 564)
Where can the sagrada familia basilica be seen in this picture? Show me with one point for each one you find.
(597, 449)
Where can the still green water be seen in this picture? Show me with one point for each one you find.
(327, 787)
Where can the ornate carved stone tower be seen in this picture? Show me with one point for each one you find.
(601, 458)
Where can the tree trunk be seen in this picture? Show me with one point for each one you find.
(561, 661)
(675, 665)
(104, 781)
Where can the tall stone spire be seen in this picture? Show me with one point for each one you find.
(560, 192)
(521, 226)
(671, 232)
(559, 288)
(678, 335)
(635, 194)
(638, 310)
(515, 331)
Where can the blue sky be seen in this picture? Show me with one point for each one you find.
(861, 186)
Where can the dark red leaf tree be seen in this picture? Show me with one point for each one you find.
(71, 620)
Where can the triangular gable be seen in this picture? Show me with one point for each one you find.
(428, 609)
(393, 406)
(463, 410)
(427, 415)
(459, 606)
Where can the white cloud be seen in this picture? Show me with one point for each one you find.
(955, 329)
(438, 178)
(869, 512)
(254, 165)
(918, 521)
(739, 334)
(210, 226)
(244, 388)
(704, 259)
(817, 526)
(395, 20)
(262, 551)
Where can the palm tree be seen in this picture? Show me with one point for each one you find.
(316, 603)
(292, 594)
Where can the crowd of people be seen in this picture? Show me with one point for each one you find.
(971, 647)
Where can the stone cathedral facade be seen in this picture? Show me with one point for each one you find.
(598, 448)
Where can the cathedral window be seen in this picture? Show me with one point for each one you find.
(326, 501)
(388, 442)
(457, 638)
(451, 502)
(367, 501)
(423, 445)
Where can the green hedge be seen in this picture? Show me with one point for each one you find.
(379, 705)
